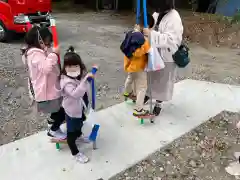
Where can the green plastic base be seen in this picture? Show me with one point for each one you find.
(57, 146)
(142, 121)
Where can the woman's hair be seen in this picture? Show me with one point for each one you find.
(164, 5)
(150, 20)
(73, 59)
(46, 35)
(35, 35)
(32, 37)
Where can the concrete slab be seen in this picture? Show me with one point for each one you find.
(122, 141)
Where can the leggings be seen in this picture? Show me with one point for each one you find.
(74, 131)
(71, 140)
(57, 119)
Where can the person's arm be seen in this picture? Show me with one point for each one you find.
(170, 38)
(144, 49)
(76, 92)
(45, 64)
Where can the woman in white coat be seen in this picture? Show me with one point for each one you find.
(167, 38)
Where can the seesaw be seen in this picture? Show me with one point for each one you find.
(92, 138)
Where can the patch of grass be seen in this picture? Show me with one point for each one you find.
(236, 18)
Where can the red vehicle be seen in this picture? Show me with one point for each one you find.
(13, 15)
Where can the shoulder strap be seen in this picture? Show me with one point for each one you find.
(29, 78)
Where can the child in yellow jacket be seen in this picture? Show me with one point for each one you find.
(134, 65)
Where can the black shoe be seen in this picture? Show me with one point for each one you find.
(130, 96)
(142, 112)
(146, 98)
(157, 109)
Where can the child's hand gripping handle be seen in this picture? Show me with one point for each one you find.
(94, 71)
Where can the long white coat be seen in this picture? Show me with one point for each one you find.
(167, 39)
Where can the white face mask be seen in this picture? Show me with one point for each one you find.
(73, 71)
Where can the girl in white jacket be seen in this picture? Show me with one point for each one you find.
(167, 38)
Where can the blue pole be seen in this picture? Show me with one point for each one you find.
(94, 70)
(94, 133)
(93, 94)
(138, 10)
(145, 13)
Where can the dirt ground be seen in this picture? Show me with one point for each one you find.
(97, 37)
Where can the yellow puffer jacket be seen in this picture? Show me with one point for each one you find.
(139, 59)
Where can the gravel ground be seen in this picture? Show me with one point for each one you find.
(201, 154)
(97, 37)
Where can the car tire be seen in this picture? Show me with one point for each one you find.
(4, 34)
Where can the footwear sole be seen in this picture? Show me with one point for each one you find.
(146, 116)
(54, 140)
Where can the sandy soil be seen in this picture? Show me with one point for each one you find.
(97, 37)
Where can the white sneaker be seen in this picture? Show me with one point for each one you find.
(49, 126)
(233, 169)
(237, 155)
(83, 139)
(57, 134)
(80, 157)
(238, 125)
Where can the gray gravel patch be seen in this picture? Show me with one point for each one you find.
(201, 154)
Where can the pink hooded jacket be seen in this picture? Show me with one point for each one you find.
(73, 91)
(44, 73)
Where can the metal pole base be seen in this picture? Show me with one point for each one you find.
(94, 145)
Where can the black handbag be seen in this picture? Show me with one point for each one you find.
(181, 57)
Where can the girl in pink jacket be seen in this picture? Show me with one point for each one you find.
(75, 89)
(44, 77)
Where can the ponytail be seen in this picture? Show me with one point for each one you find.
(71, 49)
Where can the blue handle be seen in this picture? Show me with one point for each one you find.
(94, 70)
(145, 13)
(94, 133)
(138, 11)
